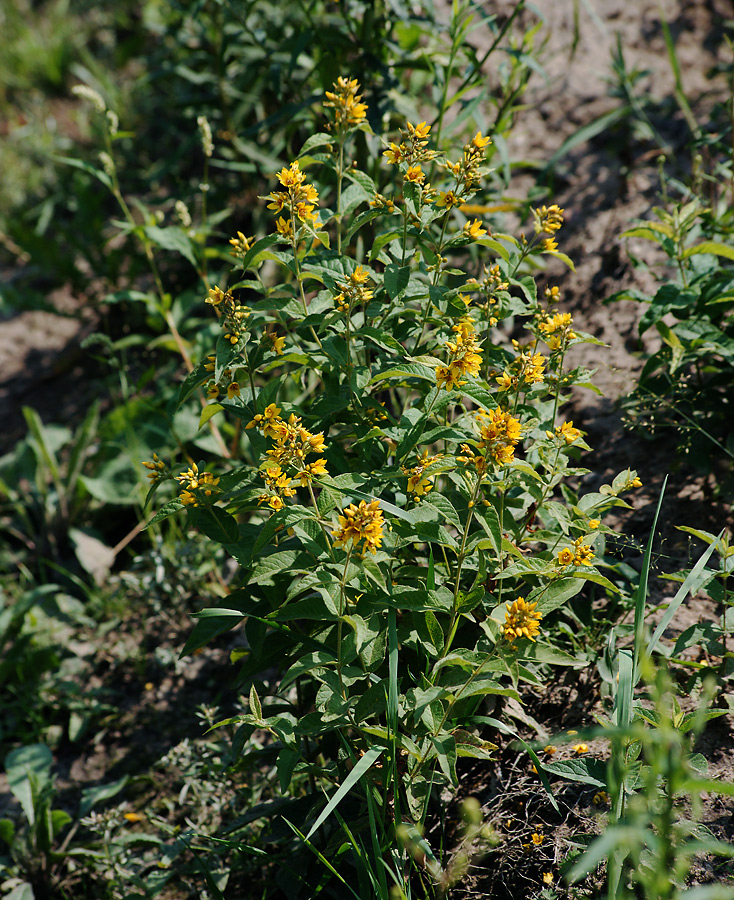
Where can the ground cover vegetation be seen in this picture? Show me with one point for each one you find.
(331, 495)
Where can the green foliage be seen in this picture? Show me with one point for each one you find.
(380, 591)
(685, 384)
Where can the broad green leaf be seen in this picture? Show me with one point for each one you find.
(713, 247)
(173, 238)
(28, 769)
(584, 769)
(215, 523)
(445, 747)
(396, 280)
(94, 795)
(208, 412)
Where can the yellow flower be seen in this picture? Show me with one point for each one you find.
(537, 839)
(567, 432)
(565, 557)
(594, 523)
(421, 131)
(233, 390)
(449, 377)
(499, 435)
(548, 219)
(133, 817)
(580, 748)
(394, 153)
(447, 199)
(363, 523)
(583, 553)
(547, 878)
(532, 367)
(521, 620)
(480, 142)
(284, 227)
(415, 174)
(550, 750)
(636, 482)
(474, 229)
(277, 342)
(549, 245)
(292, 176)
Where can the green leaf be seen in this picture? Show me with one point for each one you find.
(175, 239)
(86, 167)
(585, 769)
(396, 280)
(94, 795)
(215, 523)
(208, 412)
(445, 746)
(28, 769)
(555, 594)
(694, 581)
(7, 832)
(255, 706)
(168, 509)
(285, 764)
(320, 139)
(212, 623)
(713, 247)
(362, 766)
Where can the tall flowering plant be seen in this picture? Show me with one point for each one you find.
(406, 536)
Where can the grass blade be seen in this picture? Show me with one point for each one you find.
(690, 586)
(357, 772)
(640, 597)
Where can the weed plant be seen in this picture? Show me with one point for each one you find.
(396, 555)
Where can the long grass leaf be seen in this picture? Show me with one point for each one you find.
(640, 597)
(693, 582)
(357, 772)
(322, 859)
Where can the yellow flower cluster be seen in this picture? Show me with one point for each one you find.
(466, 356)
(299, 200)
(234, 314)
(557, 330)
(363, 523)
(279, 487)
(412, 149)
(345, 101)
(213, 389)
(418, 484)
(157, 469)
(548, 219)
(527, 368)
(467, 170)
(196, 484)
(521, 620)
(580, 554)
(241, 244)
(292, 444)
(499, 434)
(565, 432)
(353, 291)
